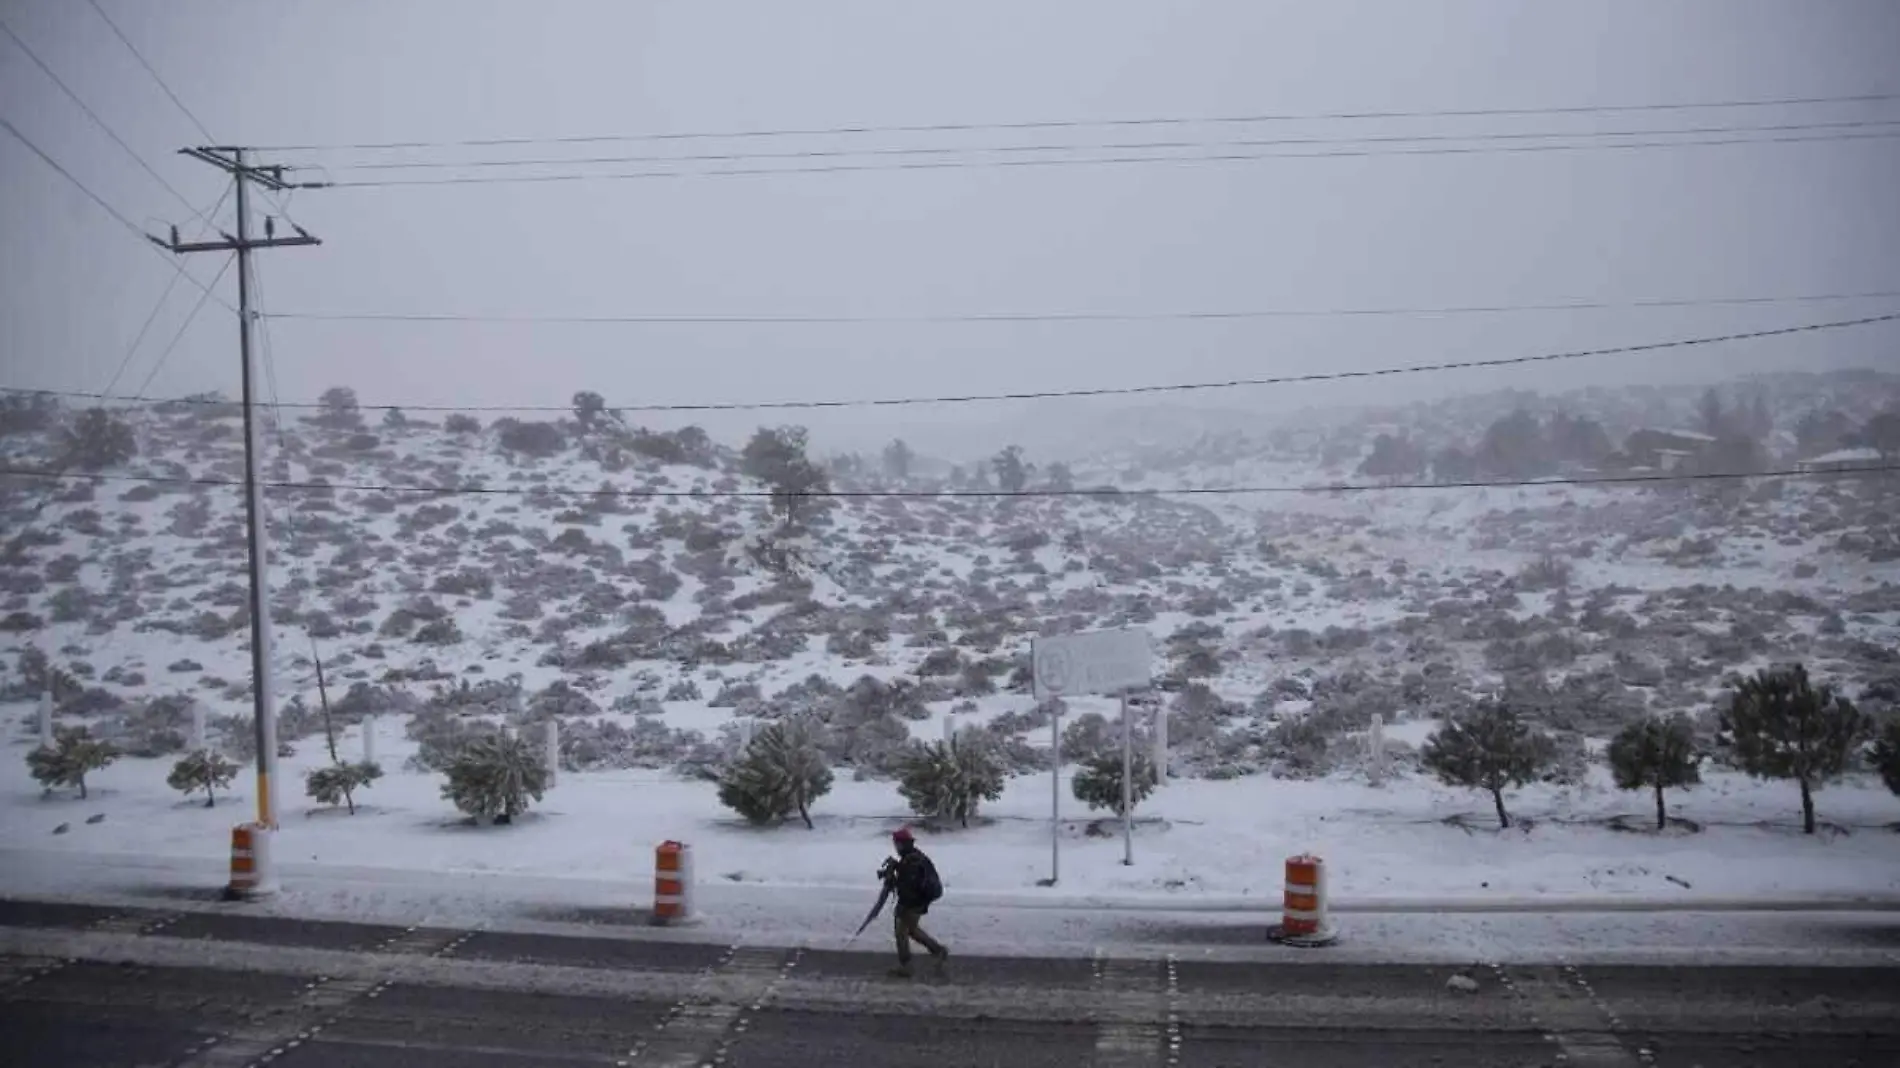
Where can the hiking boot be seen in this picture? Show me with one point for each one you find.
(942, 956)
(902, 971)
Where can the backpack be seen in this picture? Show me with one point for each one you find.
(930, 884)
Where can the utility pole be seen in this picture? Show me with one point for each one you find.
(263, 704)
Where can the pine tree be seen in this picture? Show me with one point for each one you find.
(339, 782)
(73, 754)
(1886, 755)
(1656, 754)
(949, 779)
(1488, 749)
(203, 770)
(495, 776)
(783, 771)
(1098, 782)
(1780, 726)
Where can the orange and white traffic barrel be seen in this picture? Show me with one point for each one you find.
(1303, 920)
(672, 882)
(251, 872)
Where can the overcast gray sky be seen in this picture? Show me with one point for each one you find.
(1335, 232)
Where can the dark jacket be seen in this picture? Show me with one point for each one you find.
(908, 881)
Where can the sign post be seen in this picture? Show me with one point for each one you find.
(1107, 662)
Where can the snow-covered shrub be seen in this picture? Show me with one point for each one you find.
(204, 770)
(683, 690)
(495, 777)
(560, 699)
(782, 772)
(948, 780)
(1299, 747)
(732, 693)
(1098, 782)
(151, 728)
(441, 735)
(1489, 748)
(339, 782)
(74, 754)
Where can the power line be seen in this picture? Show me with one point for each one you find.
(1102, 391)
(132, 350)
(96, 120)
(968, 164)
(159, 364)
(1136, 146)
(136, 54)
(144, 240)
(1055, 124)
(1079, 316)
(1103, 493)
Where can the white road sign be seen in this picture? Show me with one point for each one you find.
(1096, 661)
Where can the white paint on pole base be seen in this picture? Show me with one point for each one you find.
(554, 748)
(369, 739)
(1092, 662)
(46, 720)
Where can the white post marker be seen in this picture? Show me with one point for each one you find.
(46, 719)
(1161, 744)
(198, 744)
(1055, 790)
(1128, 785)
(369, 739)
(745, 734)
(1375, 744)
(1091, 662)
(554, 749)
(949, 727)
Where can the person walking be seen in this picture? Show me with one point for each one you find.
(913, 879)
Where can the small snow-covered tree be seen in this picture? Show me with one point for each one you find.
(203, 770)
(783, 771)
(339, 782)
(1780, 726)
(494, 777)
(98, 439)
(1886, 755)
(949, 779)
(1098, 782)
(1656, 754)
(73, 754)
(1489, 748)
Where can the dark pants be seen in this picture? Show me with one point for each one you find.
(908, 931)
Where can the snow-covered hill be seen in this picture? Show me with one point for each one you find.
(647, 601)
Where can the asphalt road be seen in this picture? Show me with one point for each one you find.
(84, 986)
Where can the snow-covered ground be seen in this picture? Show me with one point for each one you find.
(1197, 843)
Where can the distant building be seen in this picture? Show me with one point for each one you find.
(1664, 449)
(1842, 460)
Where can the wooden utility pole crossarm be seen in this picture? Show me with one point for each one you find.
(263, 704)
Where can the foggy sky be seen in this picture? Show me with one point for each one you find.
(1377, 231)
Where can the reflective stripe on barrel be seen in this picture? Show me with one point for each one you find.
(243, 859)
(1303, 904)
(669, 884)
